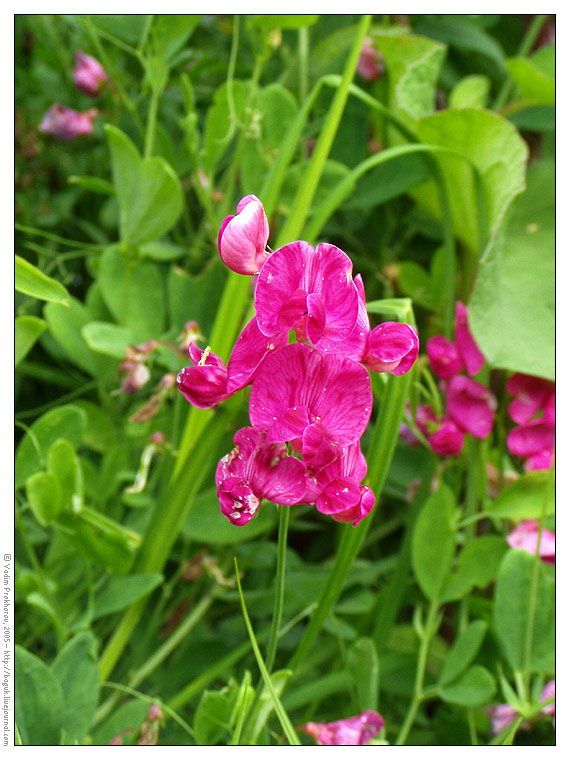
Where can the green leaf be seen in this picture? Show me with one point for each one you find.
(498, 151)
(62, 422)
(470, 92)
(107, 338)
(218, 130)
(466, 37)
(413, 64)
(388, 181)
(44, 497)
(134, 292)
(478, 566)
(171, 32)
(26, 332)
(94, 184)
(278, 109)
(38, 700)
(212, 717)
(195, 298)
(100, 433)
(463, 651)
(126, 717)
(121, 592)
(65, 326)
(525, 498)
(32, 282)
(513, 609)
(265, 704)
(75, 669)
(518, 333)
(149, 192)
(206, 524)
(104, 540)
(364, 668)
(160, 250)
(475, 687)
(534, 76)
(290, 21)
(63, 464)
(433, 542)
(534, 118)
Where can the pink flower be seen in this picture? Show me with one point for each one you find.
(525, 536)
(444, 358)
(470, 405)
(392, 347)
(88, 74)
(210, 382)
(67, 124)
(348, 732)
(547, 693)
(370, 65)
(468, 349)
(336, 490)
(256, 470)
(298, 280)
(502, 716)
(242, 239)
(531, 394)
(531, 438)
(299, 394)
(448, 440)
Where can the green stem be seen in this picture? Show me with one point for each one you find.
(524, 49)
(420, 673)
(303, 50)
(284, 516)
(470, 512)
(151, 122)
(304, 196)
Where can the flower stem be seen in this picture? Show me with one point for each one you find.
(284, 516)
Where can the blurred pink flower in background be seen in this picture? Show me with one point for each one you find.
(67, 124)
(525, 536)
(348, 732)
(370, 65)
(465, 342)
(88, 74)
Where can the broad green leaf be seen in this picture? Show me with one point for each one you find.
(26, 332)
(65, 324)
(364, 668)
(121, 592)
(534, 118)
(517, 333)
(525, 498)
(76, 671)
(278, 109)
(62, 422)
(160, 250)
(171, 32)
(149, 192)
(127, 28)
(38, 700)
(466, 37)
(44, 497)
(212, 717)
(496, 149)
(195, 298)
(126, 717)
(205, 522)
(101, 431)
(218, 129)
(475, 687)
(107, 338)
(433, 542)
(413, 64)
(513, 608)
(534, 76)
(134, 292)
(104, 540)
(463, 651)
(470, 92)
(63, 464)
(478, 566)
(32, 282)
(388, 181)
(290, 21)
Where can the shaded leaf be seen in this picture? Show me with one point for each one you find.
(38, 700)
(475, 687)
(32, 282)
(26, 332)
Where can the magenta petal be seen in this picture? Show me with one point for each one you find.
(355, 344)
(530, 394)
(245, 200)
(203, 387)
(444, 358)
(540, 461)
(243, 239)
(471, 406)
(289, 425)
(530, 438)
(284, 482)
(448, 440)
(316, 317)
(339, 496)
(281, 278)
(330, 277)
(549, 415)
(525, 536)
(67, 124)
(347, 732)
(392, 347)
(317, 452)
(465, 342)
(250, 349)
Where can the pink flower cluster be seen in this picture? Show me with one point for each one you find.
(310, 401)
(502, 716)
(469, 405)
(65, 123)
(354, 731)
(533, 409)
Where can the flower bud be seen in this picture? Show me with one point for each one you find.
(67, 124)
(242, 239)
(370, 65)
(88, 74)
